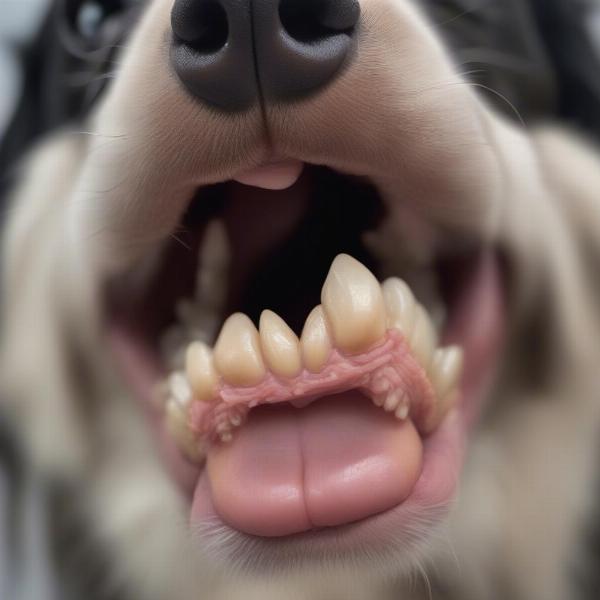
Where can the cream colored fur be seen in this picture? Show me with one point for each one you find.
(92, 203)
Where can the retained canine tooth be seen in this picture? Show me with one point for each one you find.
(424, 338)
(179, 390)
(177, 426)
(315, 341)
(280, 345)
(200, 371)
(446, 369)
(353, 303)
(400, 304)
(237, 352)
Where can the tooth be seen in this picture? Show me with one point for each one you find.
(424, 338)
(237, 352)
(177, 425)
(402, 410)
(200, 371)
(280, 345)
(179, 390)
(315, 341)
(353, 303)
(400, 304)
(392, 401)
(446, 369)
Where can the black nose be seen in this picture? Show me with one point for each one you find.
(230, 52)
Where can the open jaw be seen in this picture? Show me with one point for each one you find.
(340, 418)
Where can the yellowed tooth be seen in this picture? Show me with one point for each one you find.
(424, 338)
(315, 341)
(237, 354)
(200, 371)
(353, 303)
(179, 390)
(446, 370)
(280, 345)
(400, 304)
(177, 426)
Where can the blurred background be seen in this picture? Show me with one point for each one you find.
(18, 21)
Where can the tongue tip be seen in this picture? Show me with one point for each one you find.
(278, 175)
(335, 462)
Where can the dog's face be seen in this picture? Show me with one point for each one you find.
(297, 158)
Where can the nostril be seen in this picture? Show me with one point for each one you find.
(200, 24)
(313, 20)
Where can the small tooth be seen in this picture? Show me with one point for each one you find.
(177, 425)
(280, 345)
(353, 303)
(402, 411)
(237, 354)
(379, 399)
(424, 338)
(179, 390)
(200, 371)
(446, 369)
(235, 420)
(392, 401)
(400, 304)
(315, 341)
(226, 437)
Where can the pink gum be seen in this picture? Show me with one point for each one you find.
(389, 366)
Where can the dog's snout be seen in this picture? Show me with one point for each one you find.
(230, 53)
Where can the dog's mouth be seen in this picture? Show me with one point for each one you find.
(313, 393)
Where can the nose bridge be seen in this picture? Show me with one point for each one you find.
(231, 53)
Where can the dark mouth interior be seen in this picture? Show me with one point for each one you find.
(287, 278)
(332, 216)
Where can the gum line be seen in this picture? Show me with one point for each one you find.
(386, 369)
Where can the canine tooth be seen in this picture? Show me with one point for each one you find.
(424, 338)
(237, 354)
(280, 345)
(200, 371)
(315, 341)
(179, 390)
(353, 303)
(400, 304)
(446, 369)
(177, 426)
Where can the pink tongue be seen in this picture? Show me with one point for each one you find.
(336, 461)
